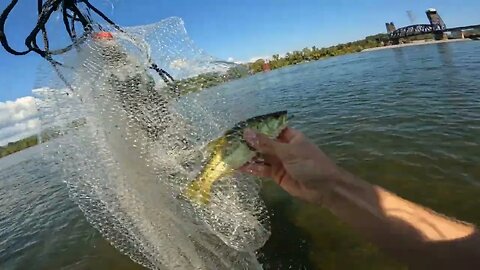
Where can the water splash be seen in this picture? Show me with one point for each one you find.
(133, 152)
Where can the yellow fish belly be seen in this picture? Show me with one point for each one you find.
(220, 165)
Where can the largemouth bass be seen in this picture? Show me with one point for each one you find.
(230, 152)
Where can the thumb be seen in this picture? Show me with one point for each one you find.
(262, 143)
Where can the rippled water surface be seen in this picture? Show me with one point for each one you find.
(407, 119)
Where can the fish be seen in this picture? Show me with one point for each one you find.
(230, 152)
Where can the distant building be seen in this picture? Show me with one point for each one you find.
(266, 65)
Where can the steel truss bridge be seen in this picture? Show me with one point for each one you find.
(422, 29)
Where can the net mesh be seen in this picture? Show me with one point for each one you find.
(127, 152)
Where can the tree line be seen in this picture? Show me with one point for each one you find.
(211, 79)
(17, 146)
(45, 135)
(314, 53)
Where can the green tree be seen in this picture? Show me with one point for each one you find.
(314, 53)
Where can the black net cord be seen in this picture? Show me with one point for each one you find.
(70, 15)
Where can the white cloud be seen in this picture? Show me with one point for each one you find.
(269, 57)
(184, 68)
(18, 119)
(179, 64)
(232, 60)
(19, 131)
(253, 59)
(12, 112)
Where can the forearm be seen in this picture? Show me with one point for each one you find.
(406, 230)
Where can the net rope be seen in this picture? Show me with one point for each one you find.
(73, 12)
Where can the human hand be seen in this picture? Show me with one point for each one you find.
(294, 163)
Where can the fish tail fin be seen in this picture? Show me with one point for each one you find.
(198, 192)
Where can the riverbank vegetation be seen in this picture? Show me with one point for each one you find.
(17, 146)
(472, 33)
(237, 71)
(210, 79)
(44, 136)
(314, 53)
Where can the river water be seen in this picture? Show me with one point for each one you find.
(407, 119)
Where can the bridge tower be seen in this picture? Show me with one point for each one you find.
(390, 27)
(437, 22)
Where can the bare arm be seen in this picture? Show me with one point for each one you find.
(414, 234)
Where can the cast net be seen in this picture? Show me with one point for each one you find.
(127, 150)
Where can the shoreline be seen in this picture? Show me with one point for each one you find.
(418, 43)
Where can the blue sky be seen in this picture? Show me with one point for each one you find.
(241, 29)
